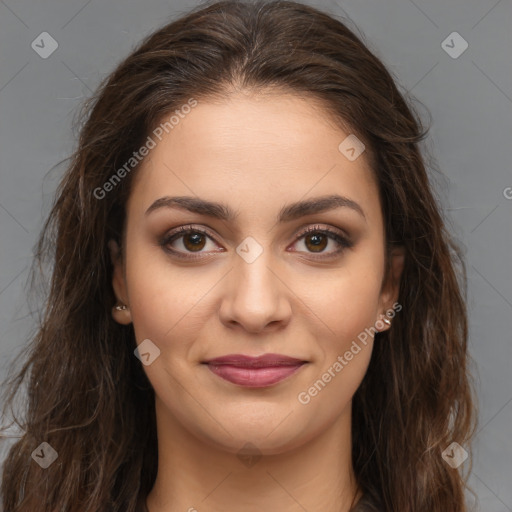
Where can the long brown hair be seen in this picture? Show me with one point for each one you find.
(87, 395)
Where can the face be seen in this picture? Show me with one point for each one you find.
(279, 250)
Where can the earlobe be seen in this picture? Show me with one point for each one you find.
(121, 314)
(121, 311)
(383, 324)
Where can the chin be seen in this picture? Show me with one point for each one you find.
(266, 437)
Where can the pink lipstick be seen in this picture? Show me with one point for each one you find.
(254, 372)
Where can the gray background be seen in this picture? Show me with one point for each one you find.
(469, 98)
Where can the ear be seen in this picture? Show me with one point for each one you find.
(391, 286)
(122, 316)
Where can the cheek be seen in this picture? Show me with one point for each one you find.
(168, 304)
(348, 301)
(349, 307)
(158, 299)
(348, 304)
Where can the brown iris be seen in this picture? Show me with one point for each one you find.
(319, 242)
(193, 241)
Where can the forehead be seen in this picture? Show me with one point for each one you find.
(252, 150)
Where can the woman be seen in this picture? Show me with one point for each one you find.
(254, 300)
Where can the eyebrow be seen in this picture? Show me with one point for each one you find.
(287, 213)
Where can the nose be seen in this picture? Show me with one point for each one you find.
(256, 297)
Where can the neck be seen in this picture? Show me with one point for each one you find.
(195, 474)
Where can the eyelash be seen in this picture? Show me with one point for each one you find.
(344, 242)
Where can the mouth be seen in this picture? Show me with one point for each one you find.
(255, 372)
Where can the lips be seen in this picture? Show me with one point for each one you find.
(254, 372)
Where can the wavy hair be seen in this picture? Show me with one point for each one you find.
(88, 396)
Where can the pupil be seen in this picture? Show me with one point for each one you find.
(316, 242)
(193, 241)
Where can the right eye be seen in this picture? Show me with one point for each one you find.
(191, 239)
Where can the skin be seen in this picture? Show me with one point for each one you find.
(256, 153)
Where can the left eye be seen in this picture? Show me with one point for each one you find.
(194, 240)
(316, 240)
